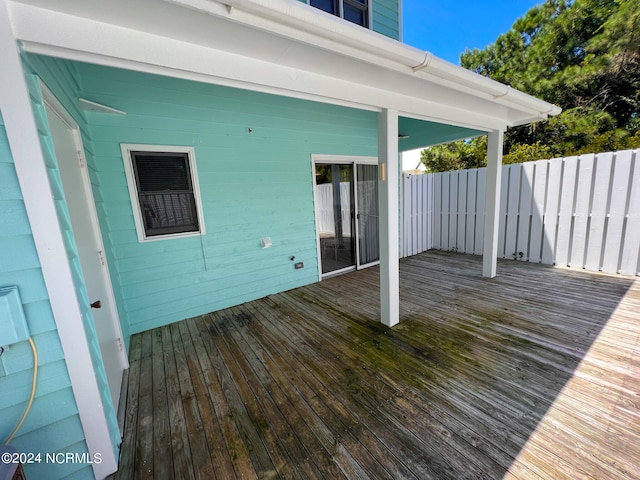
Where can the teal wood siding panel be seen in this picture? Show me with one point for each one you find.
(60, 78)
(53, 424)
(386, 17)
(253, 154)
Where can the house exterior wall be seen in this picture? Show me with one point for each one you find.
(53, 424)
(386, 17)
(253, 154)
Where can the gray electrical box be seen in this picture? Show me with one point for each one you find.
(13, 323)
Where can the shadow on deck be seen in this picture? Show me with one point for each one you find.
(534, 374)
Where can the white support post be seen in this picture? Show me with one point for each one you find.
(492, 203)
(388, 203)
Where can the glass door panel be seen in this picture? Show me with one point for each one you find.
(367, 216)
(335, 213)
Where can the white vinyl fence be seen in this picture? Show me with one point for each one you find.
(581, 212)
(326, 221)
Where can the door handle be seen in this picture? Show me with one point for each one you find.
(96, 304)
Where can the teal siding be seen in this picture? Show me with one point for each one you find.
(60, 78)
(253, 154)
(53, 424)
(385, 16)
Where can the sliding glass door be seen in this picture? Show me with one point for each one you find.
(335, 212)
(347, 215)
(367, 215)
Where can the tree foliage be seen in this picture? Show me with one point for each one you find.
(583, 55)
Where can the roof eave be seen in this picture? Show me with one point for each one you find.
(414, 82)
(295, 14)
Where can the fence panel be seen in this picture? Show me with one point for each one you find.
(480, 208)
(582, 212)
(325, 216)
(513, 206)
(565, 210)
(461, 217)
(444, 221)
(617, 209)
(418, 228)
(538, 206)
(630, 262)
(552, 210)
(437, 210)
(502, 227)
(524, 211)
(598, 210)
(470, 208)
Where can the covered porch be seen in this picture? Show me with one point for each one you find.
(251, 86)
(532, 374)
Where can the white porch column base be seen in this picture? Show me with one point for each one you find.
(492, 203)
(388, 203)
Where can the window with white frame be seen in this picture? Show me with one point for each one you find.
(163, 186)
(355, 11)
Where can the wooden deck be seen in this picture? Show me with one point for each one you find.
(532, 375)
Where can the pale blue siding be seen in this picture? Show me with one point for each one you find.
(53, 424)
(386, 17)
(253, 154)
(59, 76)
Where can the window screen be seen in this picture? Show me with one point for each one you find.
(165, 192)
(330, 6)
(356, 11)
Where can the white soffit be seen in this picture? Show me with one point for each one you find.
(229, 46)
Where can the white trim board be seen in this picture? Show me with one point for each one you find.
(353, 160)
(126, 149)
(109, 301)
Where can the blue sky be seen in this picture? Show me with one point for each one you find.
(447, 27)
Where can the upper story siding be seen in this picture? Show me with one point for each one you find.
(385, 17)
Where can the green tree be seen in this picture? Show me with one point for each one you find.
(461, 155)
(522, 152)
(583, 55)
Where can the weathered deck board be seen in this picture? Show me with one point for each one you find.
(532, 375)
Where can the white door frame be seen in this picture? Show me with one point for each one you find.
(353, 160)
(109, 302)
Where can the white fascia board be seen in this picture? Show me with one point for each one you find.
(31, 171)
(53, 33)
(305, 21)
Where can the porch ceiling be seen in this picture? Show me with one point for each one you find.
(282, 47)
(419, 133)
